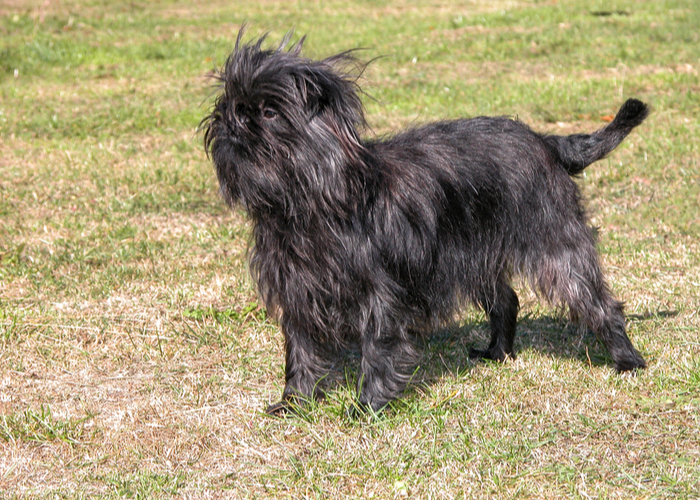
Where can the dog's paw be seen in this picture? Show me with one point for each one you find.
(282, 409)
(487, 354)
(290, 404)
(279, 409)
(632, 361)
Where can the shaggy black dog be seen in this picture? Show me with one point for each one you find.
(377, 241)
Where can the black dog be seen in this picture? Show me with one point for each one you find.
(376, 241)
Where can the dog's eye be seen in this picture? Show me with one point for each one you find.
(269, 113)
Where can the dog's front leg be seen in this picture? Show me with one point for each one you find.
(388, 358)
(305, 366)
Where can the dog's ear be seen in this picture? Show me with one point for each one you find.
(331, 96)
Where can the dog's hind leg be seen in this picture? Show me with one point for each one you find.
(605, 317)
(501, 304)
(573, 276)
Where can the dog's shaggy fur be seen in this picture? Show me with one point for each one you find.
(376, 241)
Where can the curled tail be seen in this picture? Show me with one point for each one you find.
(576, 152)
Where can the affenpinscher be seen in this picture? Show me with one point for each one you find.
(378, 241)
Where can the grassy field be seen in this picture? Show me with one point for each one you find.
(135, 360)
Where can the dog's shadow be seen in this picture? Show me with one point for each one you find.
(446, 352)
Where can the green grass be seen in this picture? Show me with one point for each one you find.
(40, 427)
(134, 357)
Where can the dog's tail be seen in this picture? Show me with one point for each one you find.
(578, 151)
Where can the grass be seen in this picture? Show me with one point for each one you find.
(134, 357)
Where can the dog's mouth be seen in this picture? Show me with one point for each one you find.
(232, 135)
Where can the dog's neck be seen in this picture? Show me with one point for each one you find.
(332, 185)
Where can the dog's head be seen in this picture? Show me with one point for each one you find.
(281, 120)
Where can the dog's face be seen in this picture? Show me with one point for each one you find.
(279, 117)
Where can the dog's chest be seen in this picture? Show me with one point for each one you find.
(317, 258)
